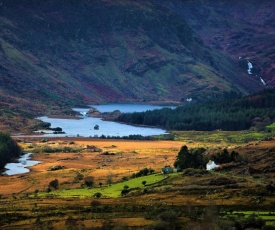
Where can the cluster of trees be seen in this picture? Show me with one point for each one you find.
(225, 157)
(193, 158)
(235, 114)
(197, 158)
(9, 149)
(143, 172)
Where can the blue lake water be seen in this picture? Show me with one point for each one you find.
(21, 166)
(85, 126)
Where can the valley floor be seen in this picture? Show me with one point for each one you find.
(26, 204)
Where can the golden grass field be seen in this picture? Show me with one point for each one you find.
(125, 158)
(130, 157)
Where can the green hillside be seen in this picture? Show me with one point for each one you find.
(252, 112)
(59, 54)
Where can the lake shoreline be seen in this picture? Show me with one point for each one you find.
(99, 121)
(20, 165)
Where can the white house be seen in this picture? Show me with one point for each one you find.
(211, 165)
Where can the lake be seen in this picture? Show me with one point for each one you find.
(21, 166)
(85, 126)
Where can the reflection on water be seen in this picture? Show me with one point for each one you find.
(21, 166)
(128, 108)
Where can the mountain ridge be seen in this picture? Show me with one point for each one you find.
(59, 54)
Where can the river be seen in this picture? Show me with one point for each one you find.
(21, 166)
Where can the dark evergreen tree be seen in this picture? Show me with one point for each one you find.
(9, 149)
(225, 115)
(190, 159)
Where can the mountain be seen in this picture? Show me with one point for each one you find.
(243, 30)
(59, 54)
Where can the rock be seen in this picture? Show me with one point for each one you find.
(93, 112)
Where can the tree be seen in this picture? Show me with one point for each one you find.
(89, 181)
(190, 159)
(54, 184)
(144, 182)
(124, 191)
(98, 195)
(8, 149)
(109, 179)
(79, 177)
(234, 156)
(126, 187)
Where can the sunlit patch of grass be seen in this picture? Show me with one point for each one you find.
(113, 191)
(271, 128)
(221, 136)
(268, 216)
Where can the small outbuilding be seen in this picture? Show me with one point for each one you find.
(167, 170)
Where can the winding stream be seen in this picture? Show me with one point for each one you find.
(21, 166)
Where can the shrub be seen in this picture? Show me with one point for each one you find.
(54, 184)
(95, 204)
(124, 192)
(168, 216)
(221, 181)
(98, 195)
(160, 225)
(56, 167)
(89, 181)
(79, 177)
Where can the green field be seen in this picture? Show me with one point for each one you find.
(266, 216)
(112, 191)
(237, 137)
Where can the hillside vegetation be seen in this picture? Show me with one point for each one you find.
(256, 111)
(9, 150)
(92, 190)
(58, 54)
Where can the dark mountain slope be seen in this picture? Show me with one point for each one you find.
(63, 53)
(243, 29)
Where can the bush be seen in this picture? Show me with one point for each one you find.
(89, 181)
(194, 172)
(253, 221)
(124, 192)
(56, 167)
(95, 204)
(221, 181)
(160, 225)
(54, 184)
(98, 195)
(79, 177)
(126, 187)
(168, 216)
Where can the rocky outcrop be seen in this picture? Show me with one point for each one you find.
(93, 112)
